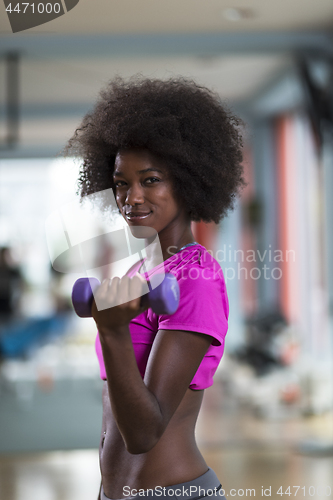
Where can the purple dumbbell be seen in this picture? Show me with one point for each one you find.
(163, 299)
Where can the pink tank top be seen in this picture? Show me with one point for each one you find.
(203, 308)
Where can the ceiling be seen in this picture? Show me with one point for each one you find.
(64, 63)
(185, 16)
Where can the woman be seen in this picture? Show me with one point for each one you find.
(172, 155)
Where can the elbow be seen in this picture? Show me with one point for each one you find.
(139, 446)
(144, 436)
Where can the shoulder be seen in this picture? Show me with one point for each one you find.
(204, 305)
(196, 268)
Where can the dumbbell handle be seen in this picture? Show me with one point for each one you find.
(164, 299)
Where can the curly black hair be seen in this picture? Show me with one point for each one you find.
(178, 121)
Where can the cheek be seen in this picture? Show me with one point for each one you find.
(168, 205)
(172, 204)
(118, 199)
(166, 197)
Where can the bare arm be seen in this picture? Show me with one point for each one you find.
(142, 409)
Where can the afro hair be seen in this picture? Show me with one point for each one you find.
(182, 124)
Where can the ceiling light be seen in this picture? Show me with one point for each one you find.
(235, 14)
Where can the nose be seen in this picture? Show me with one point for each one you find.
(134, 195)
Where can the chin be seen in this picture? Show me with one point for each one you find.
(142, 231)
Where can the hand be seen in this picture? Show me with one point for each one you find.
(118, 301)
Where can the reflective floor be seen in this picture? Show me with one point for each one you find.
(252, 457)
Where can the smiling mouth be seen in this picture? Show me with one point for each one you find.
(137, 216)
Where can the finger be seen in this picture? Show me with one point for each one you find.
(123, 290)
(136, 287)
(113, 287)
(106, 294)
(105, 284)
(143, 299)
(101, 291)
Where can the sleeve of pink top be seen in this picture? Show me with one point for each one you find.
(203, 306)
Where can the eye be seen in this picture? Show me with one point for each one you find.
(119, 183)
(151, 180)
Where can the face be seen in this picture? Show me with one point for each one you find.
(144, 192)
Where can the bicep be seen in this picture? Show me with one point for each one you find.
(173, 362)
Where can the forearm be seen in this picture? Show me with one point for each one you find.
(135, 408)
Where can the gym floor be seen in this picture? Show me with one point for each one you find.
(252, 457)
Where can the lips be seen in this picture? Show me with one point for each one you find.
(137, 215)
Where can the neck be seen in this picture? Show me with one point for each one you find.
(169, 244)
(174, 241)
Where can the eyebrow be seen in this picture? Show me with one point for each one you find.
(120, 174)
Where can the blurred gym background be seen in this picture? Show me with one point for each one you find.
(267, 421)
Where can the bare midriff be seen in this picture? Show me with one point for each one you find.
(174, 459)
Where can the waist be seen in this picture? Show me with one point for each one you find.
(206, 485)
